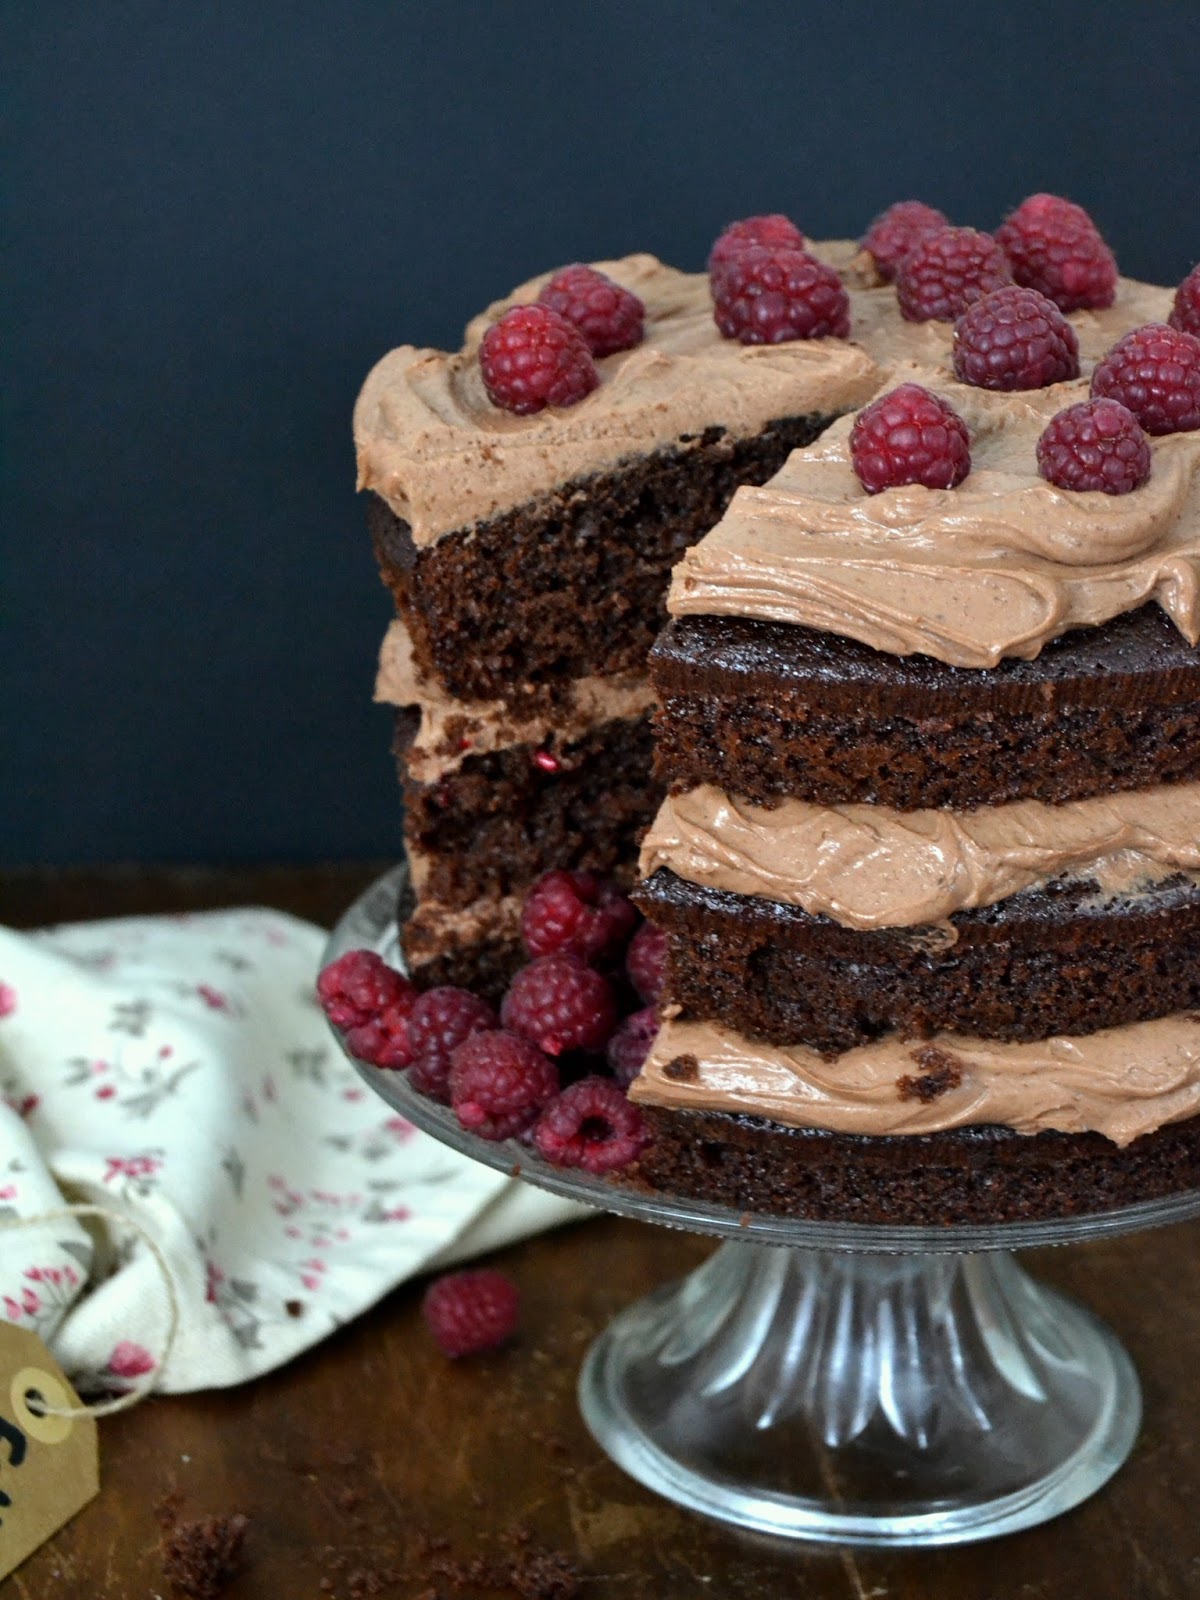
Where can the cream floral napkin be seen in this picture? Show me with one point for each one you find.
(177, 1070)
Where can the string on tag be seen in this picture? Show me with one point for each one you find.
(133, 1397)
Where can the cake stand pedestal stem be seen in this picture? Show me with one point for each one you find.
(863, 1398)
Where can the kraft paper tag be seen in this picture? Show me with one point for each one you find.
(49, 1465)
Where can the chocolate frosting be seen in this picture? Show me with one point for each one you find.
(994, 568)
(1121, 1082)
(432, 444)
(868, 866)
(450, 730)
(430, 441)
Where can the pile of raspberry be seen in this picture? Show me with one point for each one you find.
(572, 1032)
(1048, 244)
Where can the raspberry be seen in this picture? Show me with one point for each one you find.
(469, 1312)
(1014, 339)
(576, 912)
(775, 231)
(609, 317)
(533, 358)
(590, 1125)
(1054, 246)
(630, 1045)
(909, 436)
(894, 232)
(383, 1041)
(358, 986)
(945, 271)
(770, 295)
(1095, 445)
(646, 962)
(1185, 314)
(439, 1022)
(561, 1004)
(1155, 371)
(499, 1083)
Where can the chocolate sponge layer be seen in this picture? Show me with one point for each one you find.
(984, 1174)
(492, 826)
(764, 710)
(1045, 961)
(573, 582)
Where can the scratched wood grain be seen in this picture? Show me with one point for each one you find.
(358, 1461)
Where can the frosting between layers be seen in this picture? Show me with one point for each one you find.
(997, 567)
(869, 866)
(432, 444)
(450, 730)
(1122, 1082)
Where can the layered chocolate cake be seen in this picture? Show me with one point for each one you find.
(922, 832)
(929, 864)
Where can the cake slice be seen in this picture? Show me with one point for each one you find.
(929, 864)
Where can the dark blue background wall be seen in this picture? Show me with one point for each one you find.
(222, 214)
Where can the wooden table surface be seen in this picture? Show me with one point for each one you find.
(371, 1460)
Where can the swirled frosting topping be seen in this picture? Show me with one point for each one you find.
(996, 567)
(868, 866)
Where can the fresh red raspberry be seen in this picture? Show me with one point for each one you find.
(774, 230)
(1185, 314)
(630, 1045)
(439, 1022)
(383, 1041)
(577, 912)
(533, 358)
(590, 1125)
(561, 1004)
(469, 1312)
(909, 435)
(1155, 371)
(1095, 445)
(499, 1082)
(1053, 245)
(771, 296)
(609, 317)
(1014, 338)
(646, 962)
(358, 986)
(945, 271)
(894, 232)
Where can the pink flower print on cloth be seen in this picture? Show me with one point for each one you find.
(176, 1070)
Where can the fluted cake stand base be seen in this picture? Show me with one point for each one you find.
(869, 1399)
(883, 1384)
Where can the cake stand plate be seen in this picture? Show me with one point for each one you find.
(835, 1381)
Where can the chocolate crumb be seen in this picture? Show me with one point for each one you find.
(367, 1582)
(683, 1069)
(939, 1071)
(533, 1574)
(200, 1558)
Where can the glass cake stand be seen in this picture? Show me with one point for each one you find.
(844, 1382)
